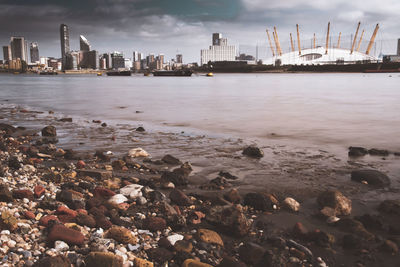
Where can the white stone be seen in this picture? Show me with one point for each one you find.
(132, 190)
(117, 199)
(5, 232)
(29, 168)
(291, 204)
(61, 246)
(174, 238)
(137, 152)
(11, 243)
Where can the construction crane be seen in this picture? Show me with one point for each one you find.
(270, 44)
(338, 41)
(298, 39)
(355, 38)
(371, 42)
(327, 38)
(291, 42)
(359, 42)
(277, 42)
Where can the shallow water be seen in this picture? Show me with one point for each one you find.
(308, 109)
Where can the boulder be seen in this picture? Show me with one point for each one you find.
(233, 196)
(68, 235)
(159, 255)
(49, 131)
(56, 261)
(103, 259)
(137, 152)
(378, 152)
(229, 219)
(259, 201)
(335, 200)
(121, 235)
(291, 204)
(179, 198)
(209, 236)
(372, 177)
(178, 176)
(23, 193)
(357, 151)
(86, 220)
(183, 245)
(253, 152)
(154, 224)
(171, 160)
(9, 129)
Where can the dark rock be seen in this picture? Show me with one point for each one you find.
(355, 227)
(86, 220)
(101, 156)
(159, 255)
(390, 246)
(378, 152)
(49, 131)
(140, 129)
(65, 120)
(231, 262)
(227, 175)
(372, 177)
(351, 241)
(272, 259)
(233, 196)
(97, 174)
(371, 222)
(300, 231)
(71, 155)
(121, 235)
(5, 194)
(169, 159)
(104, 124)
(179, 176)
(154, 224)
(335, 200)
(229, 219)
(321, 238)
(357, 151)
(103, 192)
(253, 152)
(39, 191)
(56, 261)
(183, 245)
(14, 162)
(251, 253)
(390, 207)
(69, 196)
(70, 236)
(118, 164)
(155, 196)
(259, 201)
(103, 259)
(23, 193)
(179, 198)
(9, 129)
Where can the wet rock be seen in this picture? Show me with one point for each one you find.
(353, 226)
(371, 221)
(68, 235)
(194, 263)
(178, 176)
(154, 224)
(67, 211)
(230, 219)
(137, 153)
(86, 220)
(390, 246)
(253, 152)
(378, 152)
(14, 162)
(5, 194)
(23, 193)
(259, 201)
(80, 164)
(45, 220)
(300, 231)
(179, 198)
(96, 174)
(351, 241)
(357, 151)
(390, 207)
(251, 253)
(227, 175)
(169, 159)
(291, 204)
(231, 262)
(8, 221)
(335, 200)
(372, 177)
(117, 199)
(9, 129)
(140, 129)
(233, 196)
(159, 255)
(56, 261)
(65, 120)
(38, 191)
(103, 192)
(103, 259)
(321, 238)
(61, 246)
(118, 164)
(138, 262)
(100, 155)
(49, 131)
(121, 235)
(132, 191)
(183, 245)
(209, 236)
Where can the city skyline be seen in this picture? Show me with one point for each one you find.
(184, 27)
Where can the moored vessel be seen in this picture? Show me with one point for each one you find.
(173, 72)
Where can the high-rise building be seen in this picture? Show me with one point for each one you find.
(84, 43)
(398, 47)
(179, 58)
(64, 38)
(19, 48)
(218, 51)
(7, 53)
(108, 60)
(118, 61)
(34, 49)
(136, 56)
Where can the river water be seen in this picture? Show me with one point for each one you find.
(309, 109)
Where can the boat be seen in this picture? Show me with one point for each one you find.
(48, 72)
(173, 73)
(382, 70)
(210, 74)
(119, 73)
(146, 74)
(99, 74)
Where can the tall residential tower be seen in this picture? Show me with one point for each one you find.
(64, 38)
(34, 49)
(19, 48)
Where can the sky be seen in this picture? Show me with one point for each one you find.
(186, 26)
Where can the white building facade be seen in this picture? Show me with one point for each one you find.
(219, 51)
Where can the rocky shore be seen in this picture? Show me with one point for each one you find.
(62, 206)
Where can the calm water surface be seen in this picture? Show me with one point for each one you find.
(309, 109)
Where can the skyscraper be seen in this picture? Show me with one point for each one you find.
(64, 38)
(179, 58)
(19, 48)
(218, 51)
(34, 49)
(84, 43)
(7, 53)
(216, 38)
(398, 47)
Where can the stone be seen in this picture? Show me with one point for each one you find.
(169, 159)
(372, 177)
(378, 152)
(291, 204)
(8, 221)
(233, 196)
(138, 262)
(390, 207)
(231, 262)
(140, 129)
(159, 255)
(118, 164)
(56, 261)
(178, 176)
(5, 194)
(103, 192)
(49, 131)
(69, 196)
(137, 152)
(179, 198)
(209, 236)
(38, 191)
(328, 212)
(196, 216)
(65, 120)
(355, 227)
(61, 246)
(9, 129)
(29, 215)
(44, 221)
(80, 164)
(86, 220)
(96, 174)
(174, 238)
(121, 235)
(253, 152)
(259, 201)
(229, 219)
(335, 200)
(227, 175)
(251, 253)
(67, 211)
(117, 199)
(194, 263)
(154, 224)
(299, 230)
(14, 162)
(101, 156)
(183, 245)
(357, 151)
(68, 235)
(23, 193)
(390, 246)
(132, 191)
(103, 259)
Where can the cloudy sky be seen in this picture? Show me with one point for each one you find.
(185, 26)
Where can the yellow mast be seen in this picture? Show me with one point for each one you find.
(277, 41)
(298, 39)
(355, 39)
(371, 42)
(291, 42)
(338, 41)
(270, 44)
(327, 38)
(359, 42)
(276, 44)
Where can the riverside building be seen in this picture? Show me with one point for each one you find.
(19, 48)
(64, 38)
(34, 49)
(218, 51)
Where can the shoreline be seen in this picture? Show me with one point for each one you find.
(266, 222)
